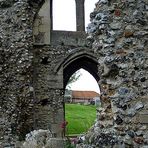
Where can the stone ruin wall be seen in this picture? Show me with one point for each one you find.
(117, 35)
(16, 44)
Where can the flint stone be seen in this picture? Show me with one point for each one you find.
(128, 33)
(109, 40)
(115, 25)
(131, 112)
(139, 105)
(143, 117)
(129, 27)
(97, 46)
(103, 1)
(139, 140)
(31, 88)
(5, 3)
(131, 134)
(128, 40)
(102, 27)
(118, 120)
(37, 138)
(141, 33)
(146, 106)
(93, 14)
(131, 1)
(141, 21)
(90, 38)
(91, 28)
(128, 140)
(111, 33)
(101, 17)
(123, 91)
(145, 135)
(144, 127)
(139, 133)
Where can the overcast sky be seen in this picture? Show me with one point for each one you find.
(85, 82)
(64, 14)
(64, 18)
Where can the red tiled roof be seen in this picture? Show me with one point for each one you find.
(84, 94)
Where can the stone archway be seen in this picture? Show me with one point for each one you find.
(31, 87)
(80, 60)
(50, 78)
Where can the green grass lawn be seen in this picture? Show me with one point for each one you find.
(80, 118)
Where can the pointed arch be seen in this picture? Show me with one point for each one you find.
(82, 62)
(73, 62)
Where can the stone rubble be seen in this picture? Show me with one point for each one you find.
(37, 138)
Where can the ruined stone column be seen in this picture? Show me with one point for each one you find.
(80, 18)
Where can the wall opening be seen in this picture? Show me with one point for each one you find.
(64, 15)
(82, 97)
(87, 64)
(83, 81)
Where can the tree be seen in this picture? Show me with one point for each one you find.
(73, 79)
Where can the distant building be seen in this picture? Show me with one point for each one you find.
(84, 96)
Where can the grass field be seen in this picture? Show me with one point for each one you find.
(80, 118)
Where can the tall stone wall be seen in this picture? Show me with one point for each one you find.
(48, 86)
(118, 35)
(16, 97)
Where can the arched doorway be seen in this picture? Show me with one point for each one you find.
(78, 61)
(84, 61)
(82, 98)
